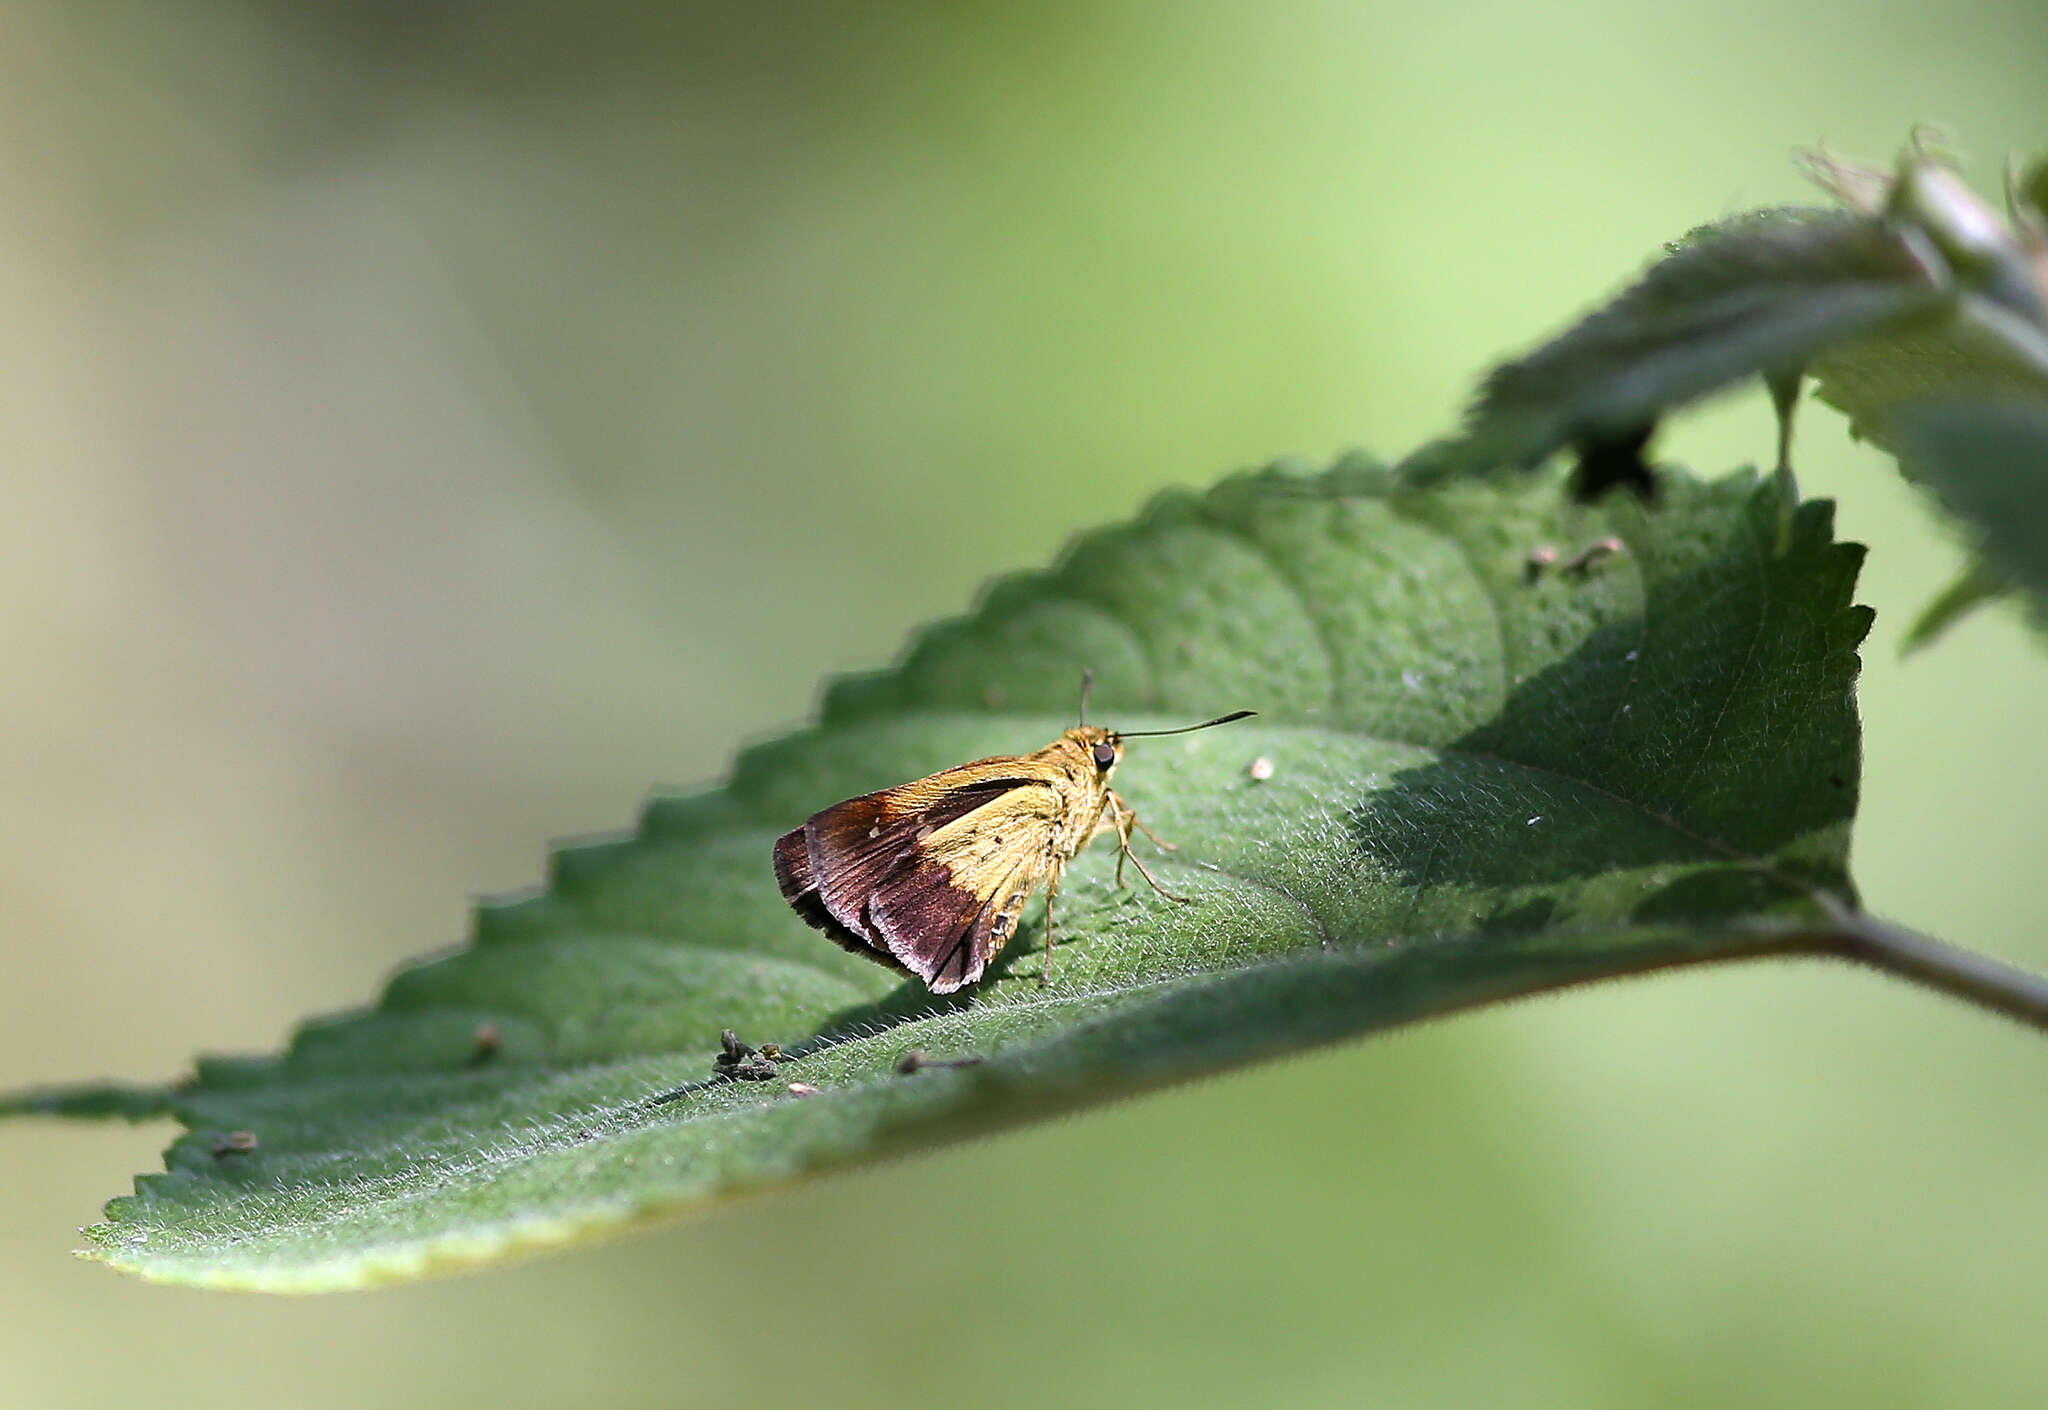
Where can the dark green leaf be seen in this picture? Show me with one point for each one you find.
(1486, 779)
(1988, 462)
(1760, 294)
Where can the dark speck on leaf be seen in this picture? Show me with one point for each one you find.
(917, 1059)
(1607, 461)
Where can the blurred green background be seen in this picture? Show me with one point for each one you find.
(432, 424)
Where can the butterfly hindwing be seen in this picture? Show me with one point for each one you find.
(947, 910)
(949, 892)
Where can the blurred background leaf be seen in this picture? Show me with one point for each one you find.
(1975, 585)
(432, 426)
(1909, 305)
(1759, 294)
(1987, 461)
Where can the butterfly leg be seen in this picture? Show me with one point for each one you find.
(1125, 818)
(1157, 841)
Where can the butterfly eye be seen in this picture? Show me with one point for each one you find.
(1105, 755)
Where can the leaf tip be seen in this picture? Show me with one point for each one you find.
(92, 1101)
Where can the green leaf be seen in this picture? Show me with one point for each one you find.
(2032, 191)
(1981, 354)
(97, 1100)
(1976, 585)
(1758, 294)
(1988, 463)
(1994, 344)
(1485, 780)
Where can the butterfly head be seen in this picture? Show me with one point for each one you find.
(1103, 747)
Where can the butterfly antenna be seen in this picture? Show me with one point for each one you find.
(1189, 729)
(1087, 684)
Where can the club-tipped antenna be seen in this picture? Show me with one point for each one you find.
(1087, 684)
(1187, 729)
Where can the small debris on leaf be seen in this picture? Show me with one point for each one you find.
(1592, 553)
(741, 1062)
(233, 1143)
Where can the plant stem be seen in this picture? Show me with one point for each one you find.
(1986, 982)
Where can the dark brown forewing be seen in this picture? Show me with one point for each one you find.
(800, 889)
(851, 846)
